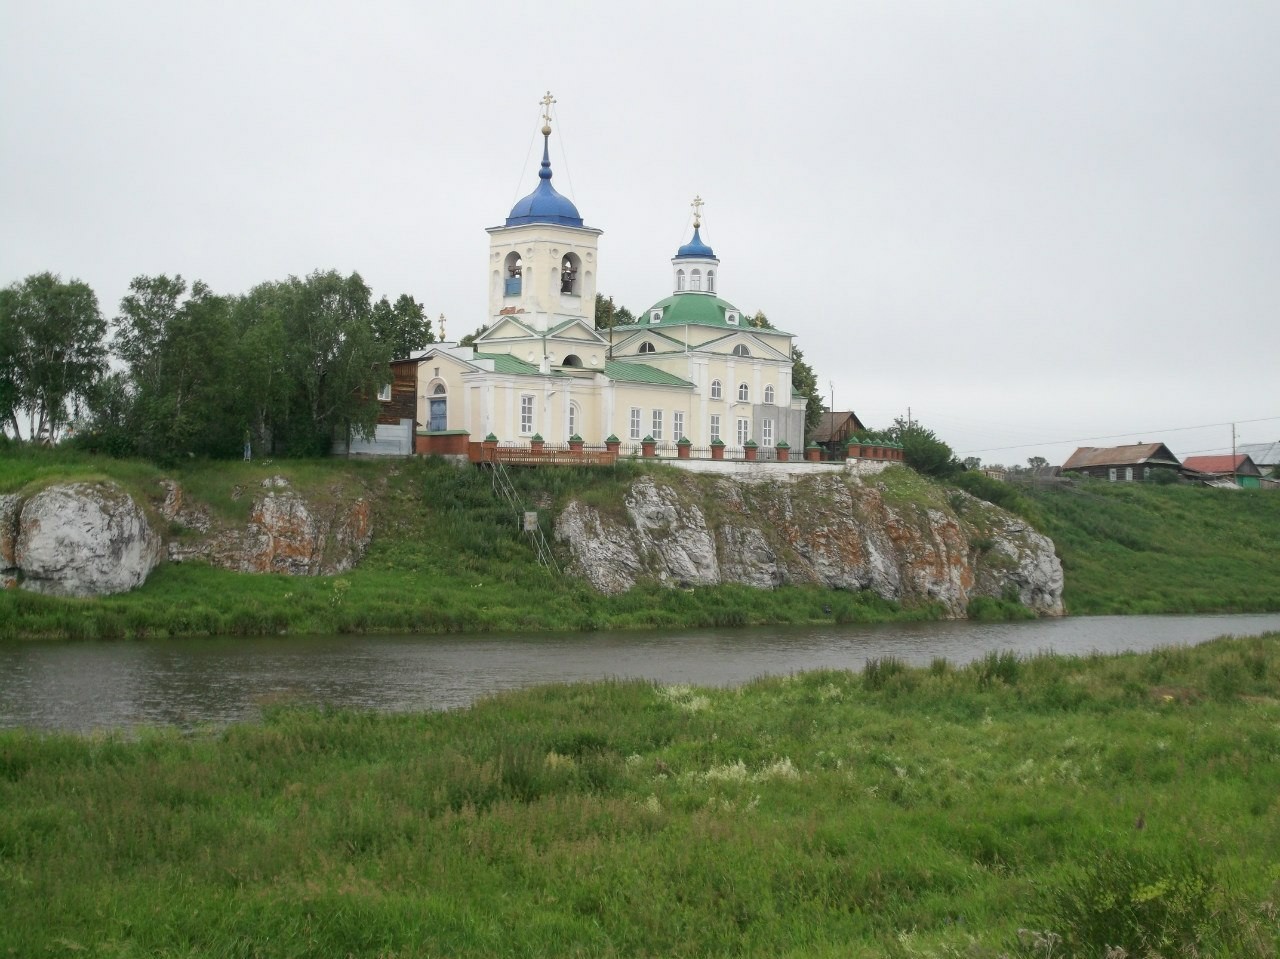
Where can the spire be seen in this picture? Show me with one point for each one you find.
(544, 204)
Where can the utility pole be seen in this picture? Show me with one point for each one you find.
(909, 423)
(1234, 479)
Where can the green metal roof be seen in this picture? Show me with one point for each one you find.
(700, 309)
(640, 373)
(506, 363)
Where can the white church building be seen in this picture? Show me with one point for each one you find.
(691, 367)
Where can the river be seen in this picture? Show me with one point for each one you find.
(199, 682)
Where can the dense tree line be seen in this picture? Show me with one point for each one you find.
(182, 370)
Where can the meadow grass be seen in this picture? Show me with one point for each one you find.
(1144, 548)
(1090, 802)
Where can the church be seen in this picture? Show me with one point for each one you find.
(692, 367)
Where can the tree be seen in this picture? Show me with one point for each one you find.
(608, 315)
(1037, 462)
(330, 365)
(470, 338)
(805, 382)
(403, 327)
(972, 463)
(51, 353)
(922, 450)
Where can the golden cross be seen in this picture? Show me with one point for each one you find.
(697, 211)
(546, 107)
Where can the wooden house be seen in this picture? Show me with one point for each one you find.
(1122, 464)
(835, 430)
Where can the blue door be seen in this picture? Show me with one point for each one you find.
(438, 418)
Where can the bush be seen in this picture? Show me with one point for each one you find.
(1147, 904)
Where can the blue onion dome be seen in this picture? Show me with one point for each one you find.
(695, 248)
(545, 204)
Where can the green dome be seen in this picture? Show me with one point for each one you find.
(701, 309)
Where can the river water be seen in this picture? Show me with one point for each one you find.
(188, 683)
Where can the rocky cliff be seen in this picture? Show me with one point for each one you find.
(92, 539)
(897, 535)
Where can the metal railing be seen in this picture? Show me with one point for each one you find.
(506, 491)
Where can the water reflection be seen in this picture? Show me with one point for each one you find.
(85, 686)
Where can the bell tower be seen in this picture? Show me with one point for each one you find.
(543, 260)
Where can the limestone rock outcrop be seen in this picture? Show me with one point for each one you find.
(285, 533)
(924, 544)
(76, 539)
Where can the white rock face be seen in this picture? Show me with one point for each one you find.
(81, 539)
(830, 530)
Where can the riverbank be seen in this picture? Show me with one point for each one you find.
(446, 557)
(900, 812)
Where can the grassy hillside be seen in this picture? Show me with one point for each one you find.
(447, 557)
(1139, 548)
(1122, 801)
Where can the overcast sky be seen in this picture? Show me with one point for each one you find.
(1033, 223)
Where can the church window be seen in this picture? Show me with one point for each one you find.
(695, 280)
(768, 394)
(635, 422)
(715, 389)
(646, 347)
(656, 432)
(744, 393)
(744, 430)
(655, 316)
(711, 281)
(715, 426)
(526, 415)
(679, 279)
(741, 350)
(569, 267)
(439, 390)
(766, 432)
(731, 317)
(384, 392)
(572, 360)
(677, 425)
(575, 419)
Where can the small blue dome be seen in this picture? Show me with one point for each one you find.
(545, 204)
(695, 247)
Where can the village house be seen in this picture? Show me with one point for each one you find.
(1122, 464)
(1239, 469)
(692, 367)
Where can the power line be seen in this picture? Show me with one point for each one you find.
(1112, 436)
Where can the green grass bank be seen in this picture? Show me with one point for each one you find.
(447, 557)
(1126, 801)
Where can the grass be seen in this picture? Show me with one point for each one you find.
(1096, 801)
(1138, 548)
(447, 557)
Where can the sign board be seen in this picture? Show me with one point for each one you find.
(530, 521)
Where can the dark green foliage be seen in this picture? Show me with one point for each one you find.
(923, 450)
(1004, 495)
(51, 354)
(403, 327)
(608, 315)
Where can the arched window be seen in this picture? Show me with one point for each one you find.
(646, 347)
(569, 267)
(512, 279)
(695, 280)
(715, 389)
(711, 281)
(741, 350)
(768, 395)
(679, 279)
(744, 393)
(572, 360)
(438, 409)
(575, 419)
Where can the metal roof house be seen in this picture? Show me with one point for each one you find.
(1240, 467)
(1122, 464)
